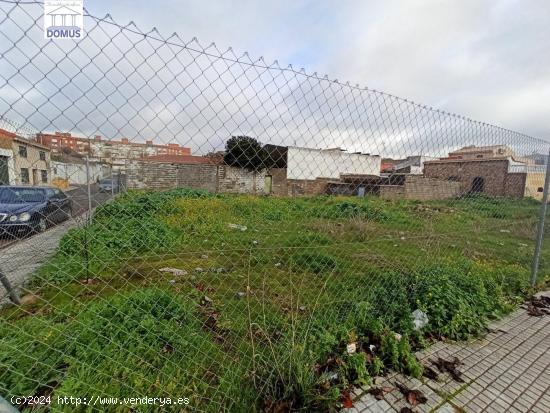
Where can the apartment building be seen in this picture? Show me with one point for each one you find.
(112, 151)
(60, 142)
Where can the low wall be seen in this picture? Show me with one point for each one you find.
(307, 187)
(392, 191)
(197, 177)
(151, 175)
(76, 174)
(240, 181)
(213, 178)
(421, 188)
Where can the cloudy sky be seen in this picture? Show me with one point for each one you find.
(486, 59)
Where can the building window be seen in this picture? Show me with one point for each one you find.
(540, 189)
(42, 155)
(479, 156)
(453, 178)
(22, 151)
(24, 176)
(44, 176)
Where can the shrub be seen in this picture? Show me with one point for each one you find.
(316, 262)
(459, 298)
(136, 342)
(349, 209)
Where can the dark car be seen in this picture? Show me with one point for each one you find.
(26, 209)
(108, 185)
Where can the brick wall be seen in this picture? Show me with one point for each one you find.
(307, 187)
(392, 191)
(198, 177)
(151, 175)
(421, 188)
(497, 180)
(515, 185)
(214, 178)
(279, 186)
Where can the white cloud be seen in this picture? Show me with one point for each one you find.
(480, 58)
(486, 60)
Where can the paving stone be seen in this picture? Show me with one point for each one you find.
(507, 371)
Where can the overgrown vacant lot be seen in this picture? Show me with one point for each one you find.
(261, 318)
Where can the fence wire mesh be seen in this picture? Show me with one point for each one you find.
(191, 224)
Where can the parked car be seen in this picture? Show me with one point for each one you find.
(26, 209)
(108, 185)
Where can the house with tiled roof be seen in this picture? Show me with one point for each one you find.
(23, 161)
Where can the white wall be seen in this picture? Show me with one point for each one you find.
(516, 167)
(240, 181)
(120, 151)
(75, 173)
(416, 163)
(306, 163)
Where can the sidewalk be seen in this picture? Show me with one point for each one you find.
(506, 371)
(21, 258)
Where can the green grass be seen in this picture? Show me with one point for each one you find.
(262, 318)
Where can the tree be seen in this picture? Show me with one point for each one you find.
(244, 152)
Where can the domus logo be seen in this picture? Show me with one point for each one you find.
(63, 19)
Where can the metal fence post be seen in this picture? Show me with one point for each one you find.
(88, 189)
(540, 226)
(88, 218)
(112, 183)
(14, 297)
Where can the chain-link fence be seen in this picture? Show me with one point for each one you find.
(190, 224)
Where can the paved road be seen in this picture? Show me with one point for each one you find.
(19, 258)
(506, 371)
(79, 196)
